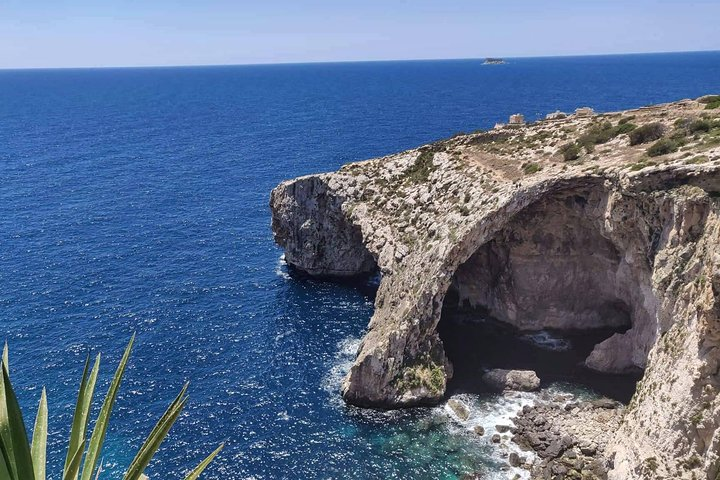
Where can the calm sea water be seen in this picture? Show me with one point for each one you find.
(136, 200)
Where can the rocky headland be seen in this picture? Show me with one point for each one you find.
(578, 222)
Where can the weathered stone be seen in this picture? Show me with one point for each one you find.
(514, 460)
(521, 380)
(588, 449)
(506, 225)
(606, 403)
(459, 409)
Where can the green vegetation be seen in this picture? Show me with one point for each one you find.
(21, 460)
(431, 377)
(696, 418)
(690, 126)
(597, 134)
(602, 133)
(711, 102)
(531, 168)
(651, 463)
(634, 167)
(693, 462)
(699, 125)
(696, 160)
(626, 127)
(419, 172)
(662, 147)
(647, 133)
(490, 137)
(570, 151)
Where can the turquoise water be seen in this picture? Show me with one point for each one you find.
(135, 200)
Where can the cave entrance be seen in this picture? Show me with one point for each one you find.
(542, 295)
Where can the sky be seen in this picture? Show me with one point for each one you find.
(100, 33)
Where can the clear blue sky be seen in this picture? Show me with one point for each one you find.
(72, 33)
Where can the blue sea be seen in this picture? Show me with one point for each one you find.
(136, 200)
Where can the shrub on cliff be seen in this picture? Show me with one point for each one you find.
(570, 151)
(419, 172)
(689, 126)
(699, 125)
(21, 460)
(597, 134)
(662, 147)
(711, 101)
(530, 168)
(602, 133)
(647, 133)
(624, 127)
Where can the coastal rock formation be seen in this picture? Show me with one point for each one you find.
(570, 441)
(520, 380)
(556, 224)
(319, 238)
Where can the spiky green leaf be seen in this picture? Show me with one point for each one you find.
(6, 357)
(74, 466)
(99, 471)
(39, 440)
(13, 432)
(5, 472)
(157, 435)
(101, 424)
(82, 410)
(195, 474)
(5, 442)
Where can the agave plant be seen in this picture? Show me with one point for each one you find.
(20, 460)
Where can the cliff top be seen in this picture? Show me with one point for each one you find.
(684, 132)
(463, 176)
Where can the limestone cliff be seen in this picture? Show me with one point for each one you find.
(574, 223)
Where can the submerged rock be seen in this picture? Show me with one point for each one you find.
(459, 409)
(514, 460)
(502, 428)
(521, 380)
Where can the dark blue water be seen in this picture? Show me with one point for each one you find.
(136, 200)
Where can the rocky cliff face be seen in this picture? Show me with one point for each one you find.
(613, 238)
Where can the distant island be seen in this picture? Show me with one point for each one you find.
(494, 61)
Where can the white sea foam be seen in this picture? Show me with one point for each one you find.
(489, 411)
(547, 341)
(344, 357)
(281, 268)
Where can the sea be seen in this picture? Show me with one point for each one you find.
(135, 200)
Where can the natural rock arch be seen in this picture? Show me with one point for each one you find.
(421, 215)
(559, 264)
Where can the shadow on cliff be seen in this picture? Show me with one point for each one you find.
(367, 283)
(475, 342)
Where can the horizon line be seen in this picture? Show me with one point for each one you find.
(331, 62)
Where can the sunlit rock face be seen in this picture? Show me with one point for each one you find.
(539, 270)
(317, 237)
(503, 220)
(563, 263)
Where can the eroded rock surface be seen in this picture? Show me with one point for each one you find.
(571, 441)
(519, 380)
(612, 238)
